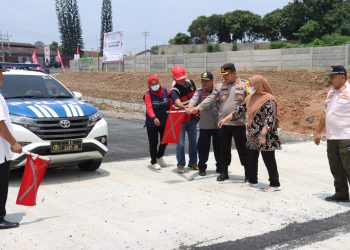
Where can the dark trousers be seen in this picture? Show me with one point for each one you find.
(338, 152)
(270, 163)
(4, 186)
(154, 150)
(203, 147)
(239, 135)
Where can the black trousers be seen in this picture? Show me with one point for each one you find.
(203, 147)
(239, 135)
(154, 150)
(4, 186)
(270, 163)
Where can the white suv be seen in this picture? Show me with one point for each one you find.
(52, 121)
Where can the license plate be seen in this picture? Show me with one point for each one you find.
(66, 146)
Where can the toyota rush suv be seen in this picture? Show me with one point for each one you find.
(50, 120)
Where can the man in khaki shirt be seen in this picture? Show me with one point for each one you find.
(336, 119)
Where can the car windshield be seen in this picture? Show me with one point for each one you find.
(30, 86)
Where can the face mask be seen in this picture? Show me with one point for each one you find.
(155, 87)
(251, 90)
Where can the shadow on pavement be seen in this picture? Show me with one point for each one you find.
(60, 175)
(18, 217)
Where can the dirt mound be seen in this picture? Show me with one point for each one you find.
(301, 94)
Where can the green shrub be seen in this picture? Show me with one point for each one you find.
(278, 45)
(213, 48)
(234, 47)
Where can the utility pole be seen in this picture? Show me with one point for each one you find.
(4, 39)
(145, 34)
(2, 46)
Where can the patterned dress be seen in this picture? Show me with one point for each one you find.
(266, 116)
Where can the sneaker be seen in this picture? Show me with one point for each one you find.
(272, 189)
(161, 162)
(337, 197)
(248, 184)
(156, 166)
(202, 173)
(181, 169)
(193, 166)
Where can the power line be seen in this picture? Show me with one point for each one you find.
(27, 32)
(145, 34)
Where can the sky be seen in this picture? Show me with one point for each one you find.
(35, 20)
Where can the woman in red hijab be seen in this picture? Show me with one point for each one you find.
(262, 122)
(157, 104)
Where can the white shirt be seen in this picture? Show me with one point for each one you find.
(5, 147)
(337, 110)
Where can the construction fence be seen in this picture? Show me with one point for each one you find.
(313, 59)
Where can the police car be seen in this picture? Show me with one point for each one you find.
(52, 121)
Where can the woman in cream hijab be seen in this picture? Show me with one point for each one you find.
(260, 108)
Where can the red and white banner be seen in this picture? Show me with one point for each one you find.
(34, 172)
(173, 126)
(60, 60)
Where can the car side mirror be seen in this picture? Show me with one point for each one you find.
(77, 95)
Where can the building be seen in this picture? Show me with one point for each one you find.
(22, 52)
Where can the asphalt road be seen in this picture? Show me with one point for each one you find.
(127, 140)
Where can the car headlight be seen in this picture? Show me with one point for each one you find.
(95, 117)
(24, 121)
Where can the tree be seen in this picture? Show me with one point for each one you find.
(338, 20)
(180, 38)
(54, 46)
(309, 31)
(106, 20)
(293, 17)
(218, 29)
(39, 44)
(199, 30)
(271, 25)
(69, 26)
(244, 25)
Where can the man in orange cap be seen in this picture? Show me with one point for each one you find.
(181, 93)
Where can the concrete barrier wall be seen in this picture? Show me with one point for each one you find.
(279, 59)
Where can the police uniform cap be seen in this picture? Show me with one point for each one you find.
(207, 76)
(227, 68)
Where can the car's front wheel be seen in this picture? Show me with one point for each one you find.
(90, 165)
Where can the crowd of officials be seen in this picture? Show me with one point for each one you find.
(247, 111)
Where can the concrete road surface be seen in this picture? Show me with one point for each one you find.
(126, 205)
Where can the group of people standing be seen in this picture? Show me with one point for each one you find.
(245, 110)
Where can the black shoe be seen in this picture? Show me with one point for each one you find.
(4, 224)
(202, 173)
(222, 177)
(337, 197)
